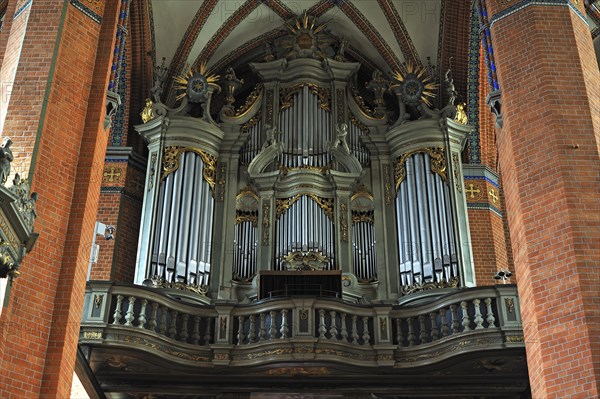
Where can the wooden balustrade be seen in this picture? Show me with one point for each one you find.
(287, 321)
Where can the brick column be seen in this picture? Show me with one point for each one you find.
(67, 49)
(549, 157)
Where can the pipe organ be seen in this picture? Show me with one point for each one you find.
(305, 182)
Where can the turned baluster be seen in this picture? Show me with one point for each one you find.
(465, 317)
(173, 327)
(129, 315)
(162, 326)
(344, 332)
(454, 319)
(354, 329)
(444, 323)
(152, 323)
(208, 331)
(435, 332)
(322, 329)
(196, 332)
(366, 337)
(412, 338)
(251, 332)
(490, 313)
(263, 327)
(399, 337)
(332, 326)
(273, 325)
(240, 334)
(478, 318)
(117, 316)
(183, 333)
(423, 334)
(284, 327)
(142, 316)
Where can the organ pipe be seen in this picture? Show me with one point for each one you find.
(182, 237)
(427, 247)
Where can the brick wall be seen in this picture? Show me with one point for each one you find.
(41, 323)
(549, 155)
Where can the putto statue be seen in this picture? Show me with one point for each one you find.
(6, 157)
(340, 141)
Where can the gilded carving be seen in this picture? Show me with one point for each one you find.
(147, 114)
(340, 105)
(92, 335)
(510, 305)
(387, 173)
(254, 97)
(245, 128)
(266, 222)
(409, 289)
(457, 179)
(344, 221)
(283, 204)
(171, 163)
(287, 95)
(298, 371)
(363, 128)
(222, 177)
(160, 282)
(363, 217)
(299, 260)
(258, 355)
(269, 107)
(150, 184)
(164, 349)
(437, 161)
(363, 107)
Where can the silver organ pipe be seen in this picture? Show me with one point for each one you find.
(253, 145)
(181, 249)
(305, 227)
(427, 249)
(245, 243)
(356, 146)
(363, 244)
(306, 128)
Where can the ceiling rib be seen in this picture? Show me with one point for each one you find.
(371, 33)
(189, 38)
(228, 26)
(401, 33)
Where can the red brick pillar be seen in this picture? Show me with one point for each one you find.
(549, 157)
(59, 134)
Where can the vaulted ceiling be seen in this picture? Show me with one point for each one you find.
(382, 34)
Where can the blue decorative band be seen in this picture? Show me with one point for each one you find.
(526, 3)
(493, 183)
(112, 190)
(484, 207)
(87, 11)
(23, 8)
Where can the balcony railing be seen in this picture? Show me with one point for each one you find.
(300, 328)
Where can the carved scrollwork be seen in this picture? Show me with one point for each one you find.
(343, 221)
(363, 128)
(362, 217)
(283, 204)
(248, 125)
(299, 260)
(171, 163)
(409, 289)
(287, 94)
(159, 282)
(436, 158)
(254, 97)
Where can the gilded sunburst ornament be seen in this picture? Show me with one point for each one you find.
(194, 84)
(307, 38)
(415, 86)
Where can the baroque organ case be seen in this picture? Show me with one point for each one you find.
(302, 186)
